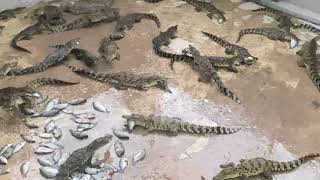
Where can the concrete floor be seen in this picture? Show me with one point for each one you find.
(279, 119)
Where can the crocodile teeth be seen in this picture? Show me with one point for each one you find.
(48, 172)
(99, 107)
(24, 169)
(119, 149)
(140, 155)
(19, 146)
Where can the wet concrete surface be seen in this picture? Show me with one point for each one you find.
(279, 119)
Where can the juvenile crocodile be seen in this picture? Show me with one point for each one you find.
(164, 38)
(87, 57)
(240, 52)
(52, 59)
(210, 9)
(172, 125)
(124, 80)
(310, 60)
(260, 167)
(81, 158)
(109, 50)
(272, 34)
(126, 22)
(27, 34)
(89, 20)
(11, 13)
(207, 72)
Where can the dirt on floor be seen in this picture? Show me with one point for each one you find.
(279, 110)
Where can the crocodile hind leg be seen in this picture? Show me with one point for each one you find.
(267, 176)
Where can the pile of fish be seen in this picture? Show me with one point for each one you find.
(7, 152)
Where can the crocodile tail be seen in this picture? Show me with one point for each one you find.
(227, 92)
(267, 10)
(91, 74)
(314, 75)
(75, 24)
(48, 81)
(291, 165)
(216, 39)
(199, 129)
(14, 45)
(308, 27)
(152, 1)
(153, 17)
(248, 31)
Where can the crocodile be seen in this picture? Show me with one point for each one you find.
(8, 95)
(308, 27)
(81, 158)
(85, 7)
(7, 67)
(124, 80)
(164, 38)
(106, 16)
(261, 167)
(208, 73)
(153, 1)
(210, 9)
(310, 60)
(272, 34)
(11, 13)
(52, 59)
(126, 22)
(27, 34)
(109, 50)
(238, 51)
(172, 125)
(83, 55)
(52, 15)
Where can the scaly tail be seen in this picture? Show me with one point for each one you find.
(313, 72)
(75, 24)
(199, 129)
(249, 31)
(14, 45)
(291, 165)
(91, 74)
(48, 81)
(173, 57)
(308, 27)
(154, 18)
(267, 10)
(227, 92)
(152, 1)
(216, 39)
(33, 69)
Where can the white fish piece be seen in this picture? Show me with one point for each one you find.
(138, 156)
(81, 120)
(100, 107)
(63, 158)
(57, 133)
(45, 135)
(86, 115)
(91, 171)
(120, 134)
(50, 113)
(78, 135)
(68, 110)
(8, 153)
(5, 148)
(51, 145)
(24, 168)
(119, 149)
(30, 125)
(3, 160)
(49, 126)
(51, 104)
(109, 168)
(123, 163)
(61, 106)
(78, 101)
(28, 138)
(85, 127)
(43, 161)
(131, 125)
(56, 156)
(43, 150)
(19, 146)
(85, 177)
(49, 172)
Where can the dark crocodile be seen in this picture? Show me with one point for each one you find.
(57, 57)
(172, 125)
(81, 158)
(210, 9)
(124, 80)
(261, 167)
(52, 15)
(11, 13)
(105, 16)
(208, 73)
(164, 38)
(87, 57)
(272, 34)
(126, 22)
(238, 51)
(109, 50)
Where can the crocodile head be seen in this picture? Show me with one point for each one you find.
(134, 120)
(99, 142)
(172, 31)
(73, 43)
(228, 173)
(249, 60)
(163, 85)
(220, 17)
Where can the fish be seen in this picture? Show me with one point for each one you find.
(28, 138)
(41, 100)
(86, 177)
(57, 133)
(56, 156)
(119, 149)
(50, 113)
(81, 120)
(8, 153)
(138, 156)
(91, 171)
(19, 146)
(3, 160)
(24, 168)
(45, 135)
(63, 159)
(48, 172)
(61, 106)
(120, 134)
(78, 101)
(123, 163)
(100, 107)
(110, 168)
(49, 126)
(85, 127)
(45, 161)
(43, 150)
(28, 111)
(51, 104)
(78, 135)
(67, 110)
(51, 145)
(30, 125)
(5, 148)
(87, 115)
